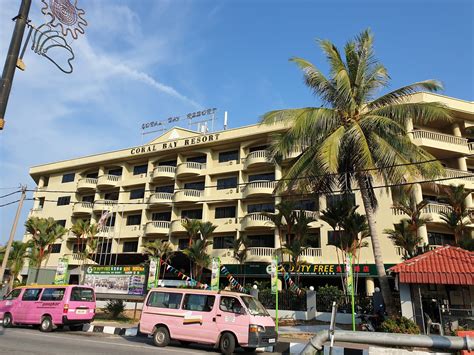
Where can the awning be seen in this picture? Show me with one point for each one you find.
(444, 265)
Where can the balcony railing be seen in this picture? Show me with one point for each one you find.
(160, 197)
(108, 180)
(312, 252)
(190, 168)
(82, 207)
(188, 195)
(101, 205)
(87, 183)
(437, 208)
(164, 171)
(465, 175)
(259, 156)
(261, 251)
(157, 227)
(309, 214)
(259, 187)
(440, 137)
(471, 146)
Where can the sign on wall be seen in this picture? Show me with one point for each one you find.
(127, 280)
(61, 276)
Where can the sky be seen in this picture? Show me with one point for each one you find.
(140, 61)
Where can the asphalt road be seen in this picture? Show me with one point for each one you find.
(32, 341)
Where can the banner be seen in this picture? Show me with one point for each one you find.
(61, 277)
(274, 275)
(152, 274)
(349, 275)
(232, 281)
(128, 280)
(215, 275)
(184, 277)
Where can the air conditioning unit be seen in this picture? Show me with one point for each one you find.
(230, 221)
(231, 191)
(231, 162)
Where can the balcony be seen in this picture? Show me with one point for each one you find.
(188, 195)
(309, 214)
(440, 141)
(458, 177)
(257, 159)
(311, 253)
(160, 198)
(292, 155)
(255, 221)
(86, 184)
(260, 254)
(177, 226)
(82, 208)
(106, 231)
(157, 227)
(189, 169)
(104, 205)
(471, 146)
(431, 211)
(108, 181)
(261, 187)
(163, 172)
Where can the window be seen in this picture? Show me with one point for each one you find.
(167, 163)
(113, 196)
(440, 238)
(199, 159)
(260, 147)
(53, 294)
(46, 181)
(261, 207)
(161, 216)
(104, 248)
(261, 241)
(227, 183)
(82, 294)
(314, 240)
(225, 212)
(134, 220)
(55, 248)
(89, 198)
(130, 247)
(306, 205)
(332, 200)
(68, 177)
(61, 222)
(230, 304)
(228, 156)
(115, 172)
(259, 177)
(41, 203)
(183, 243)
(165, 300)
(199, 303)
(194, 185)
(191, 214)
(31, 294)
(92, 175)
(333, 238)
(110, 221)
(140, 169)
(79, 248)
(13, 295)
(167, 188)
(64, 200)
(137, 193)
(226, 242)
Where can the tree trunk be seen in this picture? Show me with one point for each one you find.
(377, 250)
(37, 274)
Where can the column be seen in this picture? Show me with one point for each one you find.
(406, 302)
(41, 182)
(409, 127)
(311, 303)
(369, 286)
(422, 231)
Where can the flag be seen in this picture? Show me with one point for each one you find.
(103, 218)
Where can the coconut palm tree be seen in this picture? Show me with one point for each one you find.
(159, 249)
(457, 218)
(354, 136)
(44, 232)
(197, 254)
(192, 227)
(240, 251)
(16, 259)
(405, 237)
(85, 233)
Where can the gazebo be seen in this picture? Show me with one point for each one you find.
(438, 287)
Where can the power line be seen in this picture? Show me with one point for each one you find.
(11, 193)
(9, 203)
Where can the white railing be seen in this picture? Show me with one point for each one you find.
(312, 252)
(454, 173)
(105, 204)
(436, 208)
(257, 154)
(440, 137)
(261, 251)
(84, 204)
(188, 193)
(106, 230)
(164, 169)
(309, 214)
(167, 196)
(111, 178)
(193, 165)
(257, 216)
(397, 211)
(87, 180)
(433, 247)
(471, 146)
(159, 224)
(260, 184)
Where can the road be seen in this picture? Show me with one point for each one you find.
(32, 341)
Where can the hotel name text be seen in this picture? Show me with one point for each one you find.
(150, 148)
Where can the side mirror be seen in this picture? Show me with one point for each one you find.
(4, 297)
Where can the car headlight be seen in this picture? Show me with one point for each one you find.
(254, 328)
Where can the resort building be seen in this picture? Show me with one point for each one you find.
(226, 178)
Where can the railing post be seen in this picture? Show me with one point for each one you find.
(310, 304)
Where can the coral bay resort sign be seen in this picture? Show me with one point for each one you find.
(183, 142)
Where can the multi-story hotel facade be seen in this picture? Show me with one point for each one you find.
(226, 178)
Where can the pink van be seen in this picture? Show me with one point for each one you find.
(224, 319)
(49, 306)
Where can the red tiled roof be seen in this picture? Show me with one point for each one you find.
(443, 265)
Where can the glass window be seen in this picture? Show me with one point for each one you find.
(225, 212)
(194, 185)
(31, 294)
(92, 175)
(82, 294)
(115, 172)
(230, 304)
(254, 306)
(199, 159)
(53, 294)
(41, 202)
(260, 147)
(227, 183)
(46, 181)
(183, 243)
(134, 220)
(130, 247)
(333, 238)
(199, 303)
(114, 196)
(259, 177)
(61, 222)
(307, 205)
(261, 207)
(440, 238)
(226, 242)
(110, 221)
(167, 188)
(161, 216)
(55, 248)
(64, 200)
(165, 300)
(167, 163)
(137, 193)
(314, 240)
(78, 248)
(68, 177)
(104, 248)
(332, 200)
(191, 214)
(228, 156)
(261, 241)
(89, 198)
(140, 169)
(14, 294)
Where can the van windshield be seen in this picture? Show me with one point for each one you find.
(82, 294)
(254, 306)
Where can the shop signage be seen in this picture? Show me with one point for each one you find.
(157, 147)
(128, 280)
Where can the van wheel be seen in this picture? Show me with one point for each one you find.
(7, 320)
(227, 344)
(46, 324)
(161, 337)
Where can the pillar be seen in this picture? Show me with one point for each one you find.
(311, 303)
(406, 302)
(409, 127)
(457, 130)
(369, 286)
(41, 182)
(422, 231)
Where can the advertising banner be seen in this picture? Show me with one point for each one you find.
(216, 267)
(274, 275)
(349, 278)
(61, 277)
(152, 273)
(127, 280)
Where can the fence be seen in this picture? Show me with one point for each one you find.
(287, 300)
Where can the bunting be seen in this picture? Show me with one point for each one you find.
(182, 276)
(232, 281)
(290, 282)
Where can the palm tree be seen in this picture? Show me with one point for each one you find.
(159, 249)
(16, 259)
(197, 254)
(240, 250)
(85, 233)
(44, 232)
(192, 227)
(404, 236)
(457, 217)
(354, 137)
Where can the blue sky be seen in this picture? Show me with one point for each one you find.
(146, 60)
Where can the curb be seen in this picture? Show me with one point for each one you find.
(127, 332)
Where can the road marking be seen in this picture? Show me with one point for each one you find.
(151, 348)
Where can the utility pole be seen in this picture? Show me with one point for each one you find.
(12, 57)
(12, 233)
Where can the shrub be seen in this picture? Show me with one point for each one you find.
(114, 308)
(326, 295)
(399, 325)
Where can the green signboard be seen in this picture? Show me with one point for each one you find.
(215, 275)
(61, 276)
